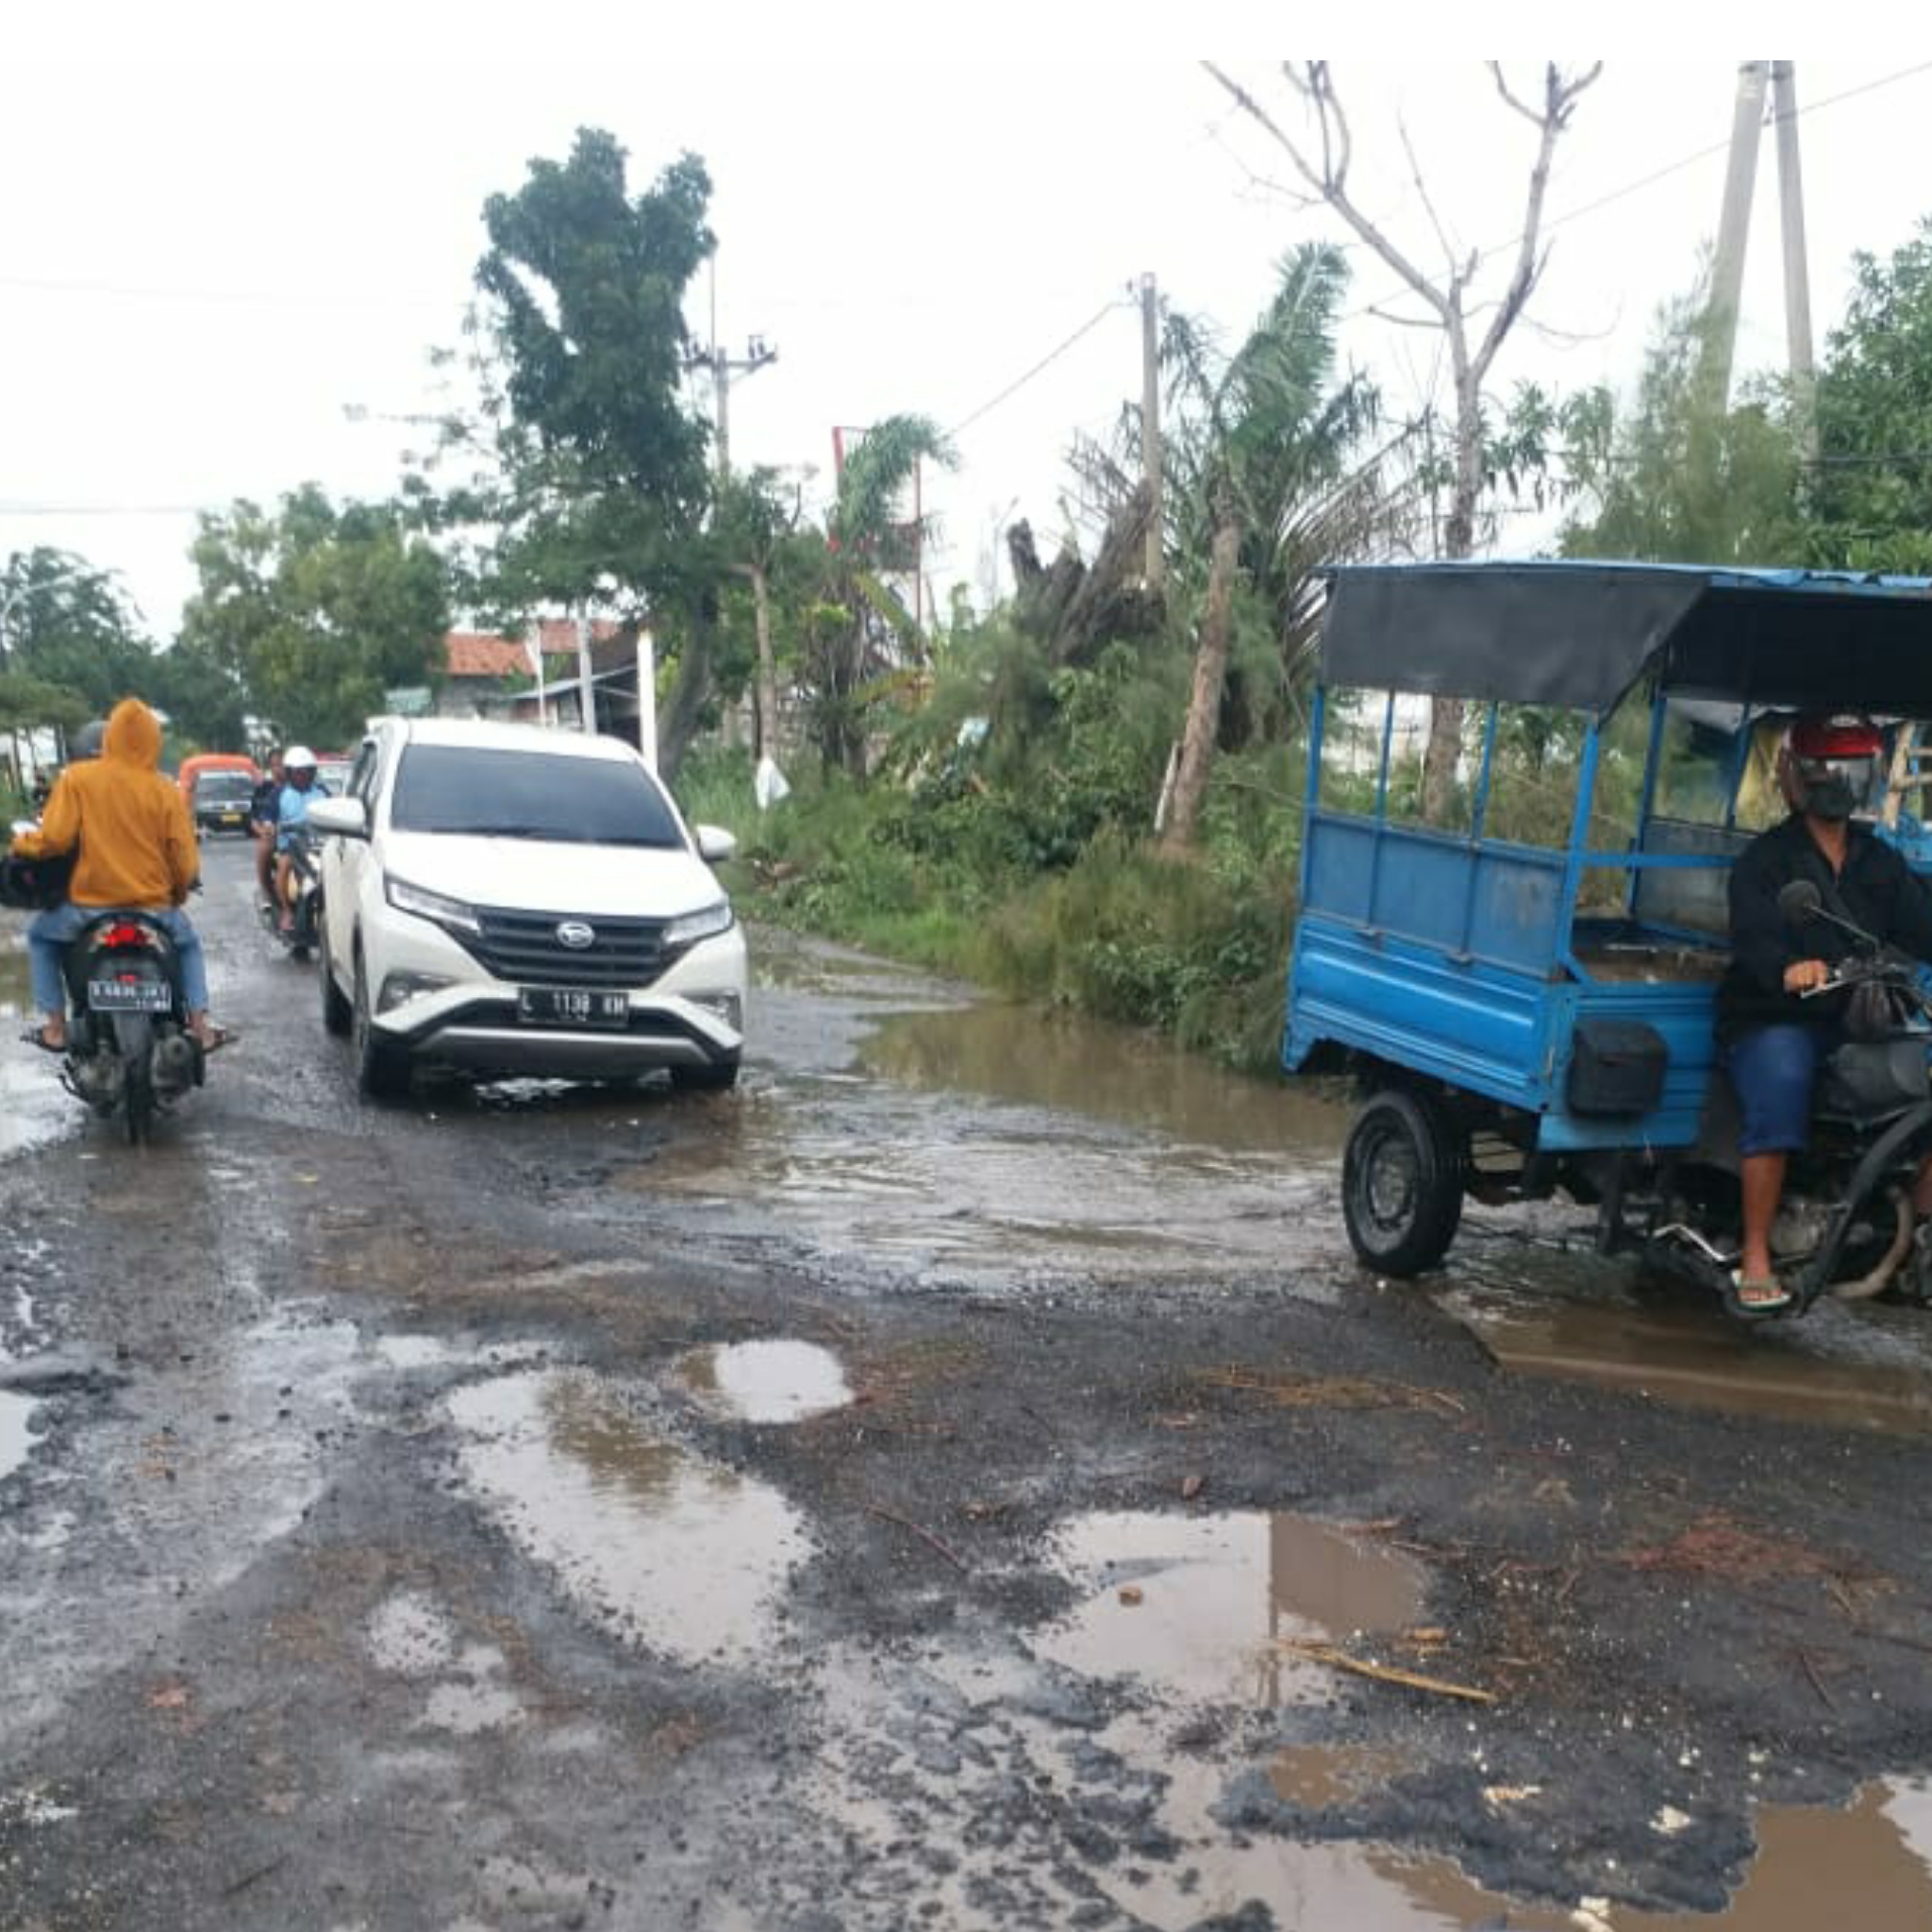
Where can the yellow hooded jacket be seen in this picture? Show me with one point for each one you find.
(137, 843)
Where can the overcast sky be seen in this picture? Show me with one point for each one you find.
(213, 246)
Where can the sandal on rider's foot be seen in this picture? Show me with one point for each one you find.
(1753, 1296)
(212, 1039)
(35, 1036)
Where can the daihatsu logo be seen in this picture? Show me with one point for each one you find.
(574, 934)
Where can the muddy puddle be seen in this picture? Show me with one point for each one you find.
(1869, 1865)
(655, 1543)
(16, 1412)
(993, 1144)
(1196, 1607)
(32, 1107)
(1865, 1368)
(773, 1381)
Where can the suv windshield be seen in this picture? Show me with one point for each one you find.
(223, 788)
(529, 794)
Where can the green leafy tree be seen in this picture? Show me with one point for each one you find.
(851, 663)
(1266, 483)
(63, 623)
(203, 697)
(315, 610)
(1673, 474)
(582, 482)
(1871, 508)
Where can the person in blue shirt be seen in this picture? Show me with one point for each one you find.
(300, 788)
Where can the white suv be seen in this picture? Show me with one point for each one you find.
(503, 899)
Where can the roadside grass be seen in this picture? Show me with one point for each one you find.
(1042, 894)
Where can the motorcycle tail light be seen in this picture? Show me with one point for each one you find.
(126, 934)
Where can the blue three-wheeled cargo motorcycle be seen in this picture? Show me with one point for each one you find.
(1524, 983)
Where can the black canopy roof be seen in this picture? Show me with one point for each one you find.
(1579, 635)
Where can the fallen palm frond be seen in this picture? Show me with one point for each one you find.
(1339, 1659)
(1326, 1392)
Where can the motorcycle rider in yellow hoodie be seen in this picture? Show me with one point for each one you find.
(135, 852)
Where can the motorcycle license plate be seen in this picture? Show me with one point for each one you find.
(130, 996)
(565, 1006)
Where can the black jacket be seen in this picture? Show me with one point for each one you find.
(1877, 890)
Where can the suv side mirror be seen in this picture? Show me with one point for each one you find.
(714, 842)
(341, 818)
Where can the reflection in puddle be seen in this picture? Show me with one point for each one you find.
(31, 1103)
(1316, 1776)
(995, 1144)
(1838, 1369)
(16, 1411)
(679, 1554)
(1868, 1867)
(1038, 1059)
(768, 1381)
(1212, 1591)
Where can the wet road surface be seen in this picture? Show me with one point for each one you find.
(958, 1479)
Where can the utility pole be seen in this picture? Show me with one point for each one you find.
(1734, 229)
(1150, 426)
(1791, 195)
(722, 365)
(587, 687)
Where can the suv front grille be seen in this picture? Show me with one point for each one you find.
(524, 946)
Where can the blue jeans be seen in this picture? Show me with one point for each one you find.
(1773, 1070)
(48, 937)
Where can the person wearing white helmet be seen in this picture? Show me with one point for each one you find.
(300, 787)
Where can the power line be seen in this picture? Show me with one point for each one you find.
(1052, 355)
(1663, 174)
(102, 509)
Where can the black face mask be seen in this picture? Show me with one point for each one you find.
(1831, 792)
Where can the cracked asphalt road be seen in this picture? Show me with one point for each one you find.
(932, 1485)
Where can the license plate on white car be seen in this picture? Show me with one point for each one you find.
(130, 996)
(564, 1005)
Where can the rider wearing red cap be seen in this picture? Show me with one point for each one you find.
(1772, 1038)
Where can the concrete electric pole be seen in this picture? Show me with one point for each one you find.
(758, 353)
(1754, 78)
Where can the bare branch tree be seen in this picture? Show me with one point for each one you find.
(1323, 166)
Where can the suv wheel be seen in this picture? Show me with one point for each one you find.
(338, 1015)
(382, 1070)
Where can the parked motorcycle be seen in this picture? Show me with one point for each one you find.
(302, 932)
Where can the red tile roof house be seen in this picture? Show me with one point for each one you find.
(491, 676)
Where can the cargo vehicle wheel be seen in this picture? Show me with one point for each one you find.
(1402, 1182)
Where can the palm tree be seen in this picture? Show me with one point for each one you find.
(1265, 480)
(867, 543)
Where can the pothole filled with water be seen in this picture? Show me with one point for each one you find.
(32, 1107)
(656, 1544)
(1195, 1606)
(16, 1411)
(766, 1381)
(1838, 1369)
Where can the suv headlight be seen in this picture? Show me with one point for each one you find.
(452, 914)
(705, 924)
